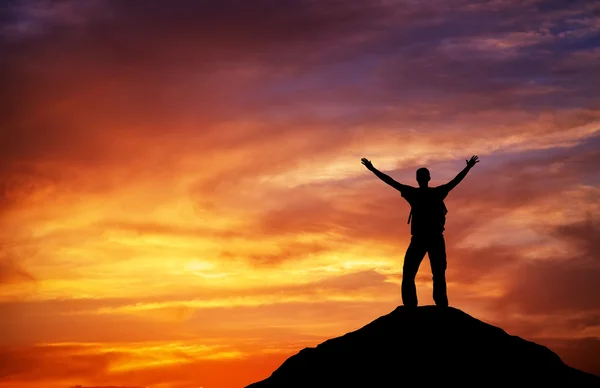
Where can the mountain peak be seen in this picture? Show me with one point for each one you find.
(425, 345)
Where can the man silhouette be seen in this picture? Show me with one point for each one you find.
(428, 214)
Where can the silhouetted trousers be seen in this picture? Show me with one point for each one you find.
(435, 246)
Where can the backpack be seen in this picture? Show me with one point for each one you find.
(442, 209)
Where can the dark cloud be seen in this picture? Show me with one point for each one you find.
(468, 266)
(560, 285)
(125, 84)
(584, 236)
(127, 78)
(578, 353)
(519, 180)
(156, 66)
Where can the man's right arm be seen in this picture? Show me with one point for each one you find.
(384, 177)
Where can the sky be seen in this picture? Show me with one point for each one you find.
(182, 202)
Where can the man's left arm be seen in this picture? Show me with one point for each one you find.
(461, 175)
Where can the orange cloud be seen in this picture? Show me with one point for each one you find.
(149, 364)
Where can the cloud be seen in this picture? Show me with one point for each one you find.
(105, 111)
(11, 272)
(106, 386)
(44, 363)
(233, 60)
(566, 285)
(24, 19)
(94, 365)
(112, 386)
(580, 354)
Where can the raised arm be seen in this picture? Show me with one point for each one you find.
(461, 175)
(384, 177)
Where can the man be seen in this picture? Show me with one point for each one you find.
(428, 214)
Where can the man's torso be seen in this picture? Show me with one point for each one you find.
(428, 213)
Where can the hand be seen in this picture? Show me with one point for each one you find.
(471, 162)
(367, 163)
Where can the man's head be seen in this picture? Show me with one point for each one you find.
(423, 176)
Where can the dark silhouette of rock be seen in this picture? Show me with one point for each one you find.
(426, 346)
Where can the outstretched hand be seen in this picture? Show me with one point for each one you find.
(471, 162)
(367, 163)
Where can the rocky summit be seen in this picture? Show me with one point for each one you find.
(426, 346)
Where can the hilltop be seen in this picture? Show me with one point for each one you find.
(427, 346)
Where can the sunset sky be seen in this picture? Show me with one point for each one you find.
(182, 202)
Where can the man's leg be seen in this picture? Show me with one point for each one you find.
(437, 259)
(414, 255)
